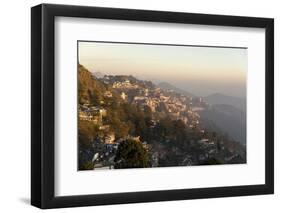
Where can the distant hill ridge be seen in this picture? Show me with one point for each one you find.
(227, 118)
(167, 86)
(219, 98)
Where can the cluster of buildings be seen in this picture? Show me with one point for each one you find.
(124, 84)
(94, 114)
(193, 118)
(177, 106)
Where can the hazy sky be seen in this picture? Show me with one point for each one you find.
(199, 70)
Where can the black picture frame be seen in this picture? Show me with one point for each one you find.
(43, 102)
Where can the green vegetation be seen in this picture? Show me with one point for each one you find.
(131, 154)
(212, 161)
(89, 90)
(88, 165)
(87, 132)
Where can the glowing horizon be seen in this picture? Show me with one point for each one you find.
(199, 70)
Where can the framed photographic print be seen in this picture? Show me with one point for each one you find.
(139, 106)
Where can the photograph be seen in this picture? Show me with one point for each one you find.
(139, 105)
(160, 105)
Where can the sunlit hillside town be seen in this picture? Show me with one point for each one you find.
(160, 102)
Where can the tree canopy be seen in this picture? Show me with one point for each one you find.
(131, 154)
